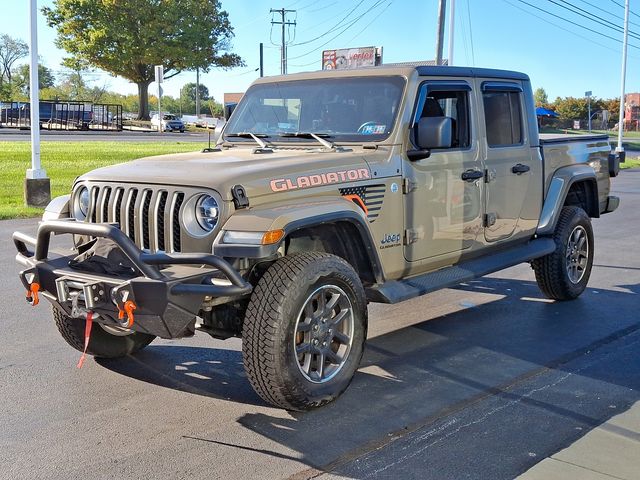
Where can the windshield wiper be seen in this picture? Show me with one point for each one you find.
(320, 137)
(255, 136)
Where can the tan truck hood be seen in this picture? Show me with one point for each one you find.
(260, 174)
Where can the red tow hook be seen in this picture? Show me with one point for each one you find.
(129, 307)
(32, 294)
(87, 336)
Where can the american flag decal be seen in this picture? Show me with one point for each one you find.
(371, 195)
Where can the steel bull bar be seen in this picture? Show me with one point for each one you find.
(162, 299)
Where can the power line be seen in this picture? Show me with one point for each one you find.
(473, 55)
(575, 23)
(332, 29)
(369, 24)
(561, 27)
(347, 27)
(357, 35)
(622, 6)
(608, 12)
(595, 18)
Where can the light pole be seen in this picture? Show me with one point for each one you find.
(619, 148)
(37, 187)
(588, 95)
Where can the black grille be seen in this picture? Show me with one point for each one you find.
(94, 204)
(131, 214)
(145, 219)
(105, 204)
(162, 203)
(176, 222)
(120, 196)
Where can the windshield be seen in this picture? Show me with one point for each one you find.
(356, 109)
(169, 117)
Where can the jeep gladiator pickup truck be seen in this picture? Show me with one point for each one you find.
(326, 191)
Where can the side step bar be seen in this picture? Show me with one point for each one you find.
(394, 291)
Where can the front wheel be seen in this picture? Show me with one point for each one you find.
(104, 342)
(564, 273)
(304, 330)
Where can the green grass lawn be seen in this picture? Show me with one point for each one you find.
(630, 163)
(64, 161)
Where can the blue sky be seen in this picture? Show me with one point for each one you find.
(564, 59)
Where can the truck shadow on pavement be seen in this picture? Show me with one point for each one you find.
(414, 378)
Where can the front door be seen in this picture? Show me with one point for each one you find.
(443, 193)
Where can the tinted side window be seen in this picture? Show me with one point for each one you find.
(503, 118)
(453, 104)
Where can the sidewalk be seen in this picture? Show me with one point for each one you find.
(611, 450)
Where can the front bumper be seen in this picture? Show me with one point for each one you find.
(167, 293)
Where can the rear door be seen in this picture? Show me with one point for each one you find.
(512, 176)
(443, 193)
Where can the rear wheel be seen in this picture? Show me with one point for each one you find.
(105, 342)
(304, 330)
(564, 273)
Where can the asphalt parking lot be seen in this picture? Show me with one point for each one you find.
(480, 381)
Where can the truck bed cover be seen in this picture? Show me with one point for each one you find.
(546, 138)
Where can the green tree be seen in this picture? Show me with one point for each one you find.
(128, 37)
(571, 108)
(188, 98)
(540, 97)
(11, 50)
(20, 78)
(216, 108)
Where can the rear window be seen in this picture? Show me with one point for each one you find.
(503, 118)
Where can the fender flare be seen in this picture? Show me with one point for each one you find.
(58, 208)
(292, 218)
(559, 187)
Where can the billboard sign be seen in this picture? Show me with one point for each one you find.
(347, 58)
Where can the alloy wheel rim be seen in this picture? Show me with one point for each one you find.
(577, 254)
(323, 334)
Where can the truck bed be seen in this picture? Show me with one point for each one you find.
(562, 150)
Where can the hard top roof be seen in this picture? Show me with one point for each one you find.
(406, 69)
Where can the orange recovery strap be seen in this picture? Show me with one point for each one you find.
(87, 335)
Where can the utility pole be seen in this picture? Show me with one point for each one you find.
(452, 24)
(261, 59)
(283, 45)
(197, 93)
(442, 6)
(37, 187)
(619, 148)
(588, 95)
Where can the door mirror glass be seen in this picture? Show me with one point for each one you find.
(434, 132)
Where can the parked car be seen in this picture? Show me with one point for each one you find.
(170, 123)
(327, 191)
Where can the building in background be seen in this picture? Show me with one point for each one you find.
(232, 97)
(631, 111)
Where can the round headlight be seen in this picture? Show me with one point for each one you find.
(207, 212)
(81, 204)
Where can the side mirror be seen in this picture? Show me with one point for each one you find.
(228, 109)
(434, 132)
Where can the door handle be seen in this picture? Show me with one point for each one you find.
(520, 168)
(471, 175)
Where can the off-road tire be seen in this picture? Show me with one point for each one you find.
(269, 328)
(101, 343)
(551, 270)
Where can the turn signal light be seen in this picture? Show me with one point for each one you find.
(272, 236)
